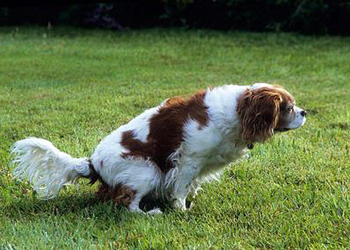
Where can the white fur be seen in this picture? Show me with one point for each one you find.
(299, 120)
(47, 168)
(203, 154)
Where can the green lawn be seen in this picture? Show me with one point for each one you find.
(74, 86)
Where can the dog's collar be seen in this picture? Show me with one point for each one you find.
(250, 146)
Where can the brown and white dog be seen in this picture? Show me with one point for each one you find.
(168, 150)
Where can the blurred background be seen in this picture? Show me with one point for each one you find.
(318, 17)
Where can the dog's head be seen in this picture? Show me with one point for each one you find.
(264, 109)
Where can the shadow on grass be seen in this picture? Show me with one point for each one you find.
(83, 205)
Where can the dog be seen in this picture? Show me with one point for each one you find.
(169, 150)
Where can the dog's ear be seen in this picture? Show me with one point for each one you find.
(259, 112)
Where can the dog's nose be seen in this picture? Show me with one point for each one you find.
(303, 113)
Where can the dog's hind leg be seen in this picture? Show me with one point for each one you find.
(135, 204)
(139, 175)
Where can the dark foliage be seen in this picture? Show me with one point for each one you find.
(304, 16)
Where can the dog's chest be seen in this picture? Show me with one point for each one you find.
(226, 152)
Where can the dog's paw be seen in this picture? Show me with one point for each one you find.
(179, 204)
(155, 211)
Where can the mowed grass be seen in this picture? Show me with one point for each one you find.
(74, 86)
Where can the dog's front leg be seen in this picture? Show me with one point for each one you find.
(185, 177)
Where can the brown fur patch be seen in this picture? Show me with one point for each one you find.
(121, 195)
(166, 130)
(260, 110)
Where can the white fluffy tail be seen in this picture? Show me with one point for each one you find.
(44, 166)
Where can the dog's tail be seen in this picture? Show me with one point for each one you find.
(46, 167)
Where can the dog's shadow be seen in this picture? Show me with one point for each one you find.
(86, 205)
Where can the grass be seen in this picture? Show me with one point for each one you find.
(74, 86)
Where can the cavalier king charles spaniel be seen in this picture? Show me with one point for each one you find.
(169, 150)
